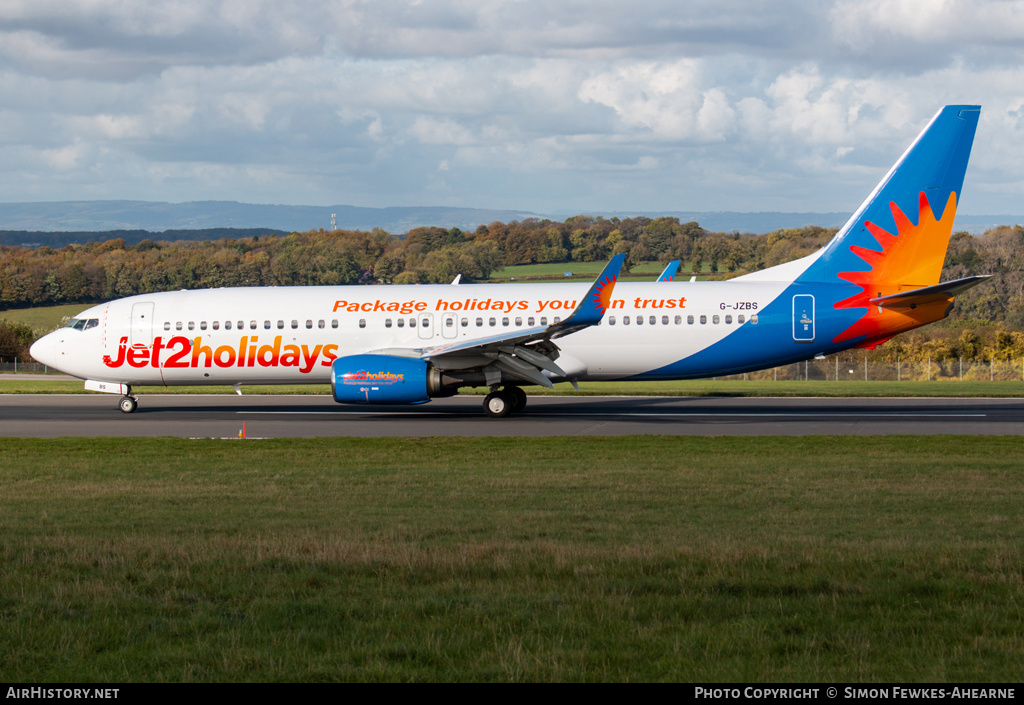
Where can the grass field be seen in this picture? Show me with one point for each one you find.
(45, 318)
(584, 270)
(627, 559)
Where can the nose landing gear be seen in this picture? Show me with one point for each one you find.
(128, 403)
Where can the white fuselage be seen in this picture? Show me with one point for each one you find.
(273, 335)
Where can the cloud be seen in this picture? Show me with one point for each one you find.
(864, 24)
(576, 105)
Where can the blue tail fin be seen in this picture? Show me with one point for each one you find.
(909, 214)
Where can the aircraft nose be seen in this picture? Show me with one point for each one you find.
(43, 350)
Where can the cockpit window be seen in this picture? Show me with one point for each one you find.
(83, 323)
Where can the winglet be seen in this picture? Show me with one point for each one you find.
(596, 301)
(669, 273)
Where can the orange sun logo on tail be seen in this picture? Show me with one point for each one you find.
(911, 259)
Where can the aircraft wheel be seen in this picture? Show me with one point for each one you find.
(498, 404)
(128, 404)
(518, 398)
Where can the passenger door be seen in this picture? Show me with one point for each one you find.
(803, 318)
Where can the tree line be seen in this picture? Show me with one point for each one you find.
(100, 271)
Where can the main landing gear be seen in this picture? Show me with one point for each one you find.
(505, 401)
(128, 403)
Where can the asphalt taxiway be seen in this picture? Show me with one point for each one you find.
(301, 416)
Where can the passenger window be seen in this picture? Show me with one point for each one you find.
(412, 322)
(753, 320)
(492, 322)
(703, 320)
(652, 320)
(529, 321)
(519, 321)
(321, 323)
(625, 320)
(557, 321)
(664, 320)
(611, 320)
(227, 325)
(479, 322)
(504, 321)
(215, 325)
(401, 323)
(362, 323)
(252, 325)
(266, 325)
(309, 324)
(740, 319)
(280, 325)
(639, 320)
(679, 320)
(465, 322)
(295, 324)
(689, 320)
(425, 323)
(334, 323)
(191, 325)
(728, 319)
(202, 325)
(167, 325)
(715, 319)
(387, 322)
(241, 324)
(543, 320)
(449, 322)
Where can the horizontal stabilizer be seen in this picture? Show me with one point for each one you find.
(928, 294)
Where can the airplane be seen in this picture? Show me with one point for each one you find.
(668, 274)
(879, 276)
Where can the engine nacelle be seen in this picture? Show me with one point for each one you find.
(379, 379)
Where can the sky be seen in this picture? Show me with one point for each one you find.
(550, 106)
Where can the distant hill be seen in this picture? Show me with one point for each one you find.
(56, 240)
(198, 215)
(171, 221)
(760, 223)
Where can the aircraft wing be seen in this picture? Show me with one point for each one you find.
(928, 294)
(523, 353)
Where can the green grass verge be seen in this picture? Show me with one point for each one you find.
(699, 388)
(63, 386)
(645, 559)
(584, 270)
(560, 268)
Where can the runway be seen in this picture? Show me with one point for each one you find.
(294, 416)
